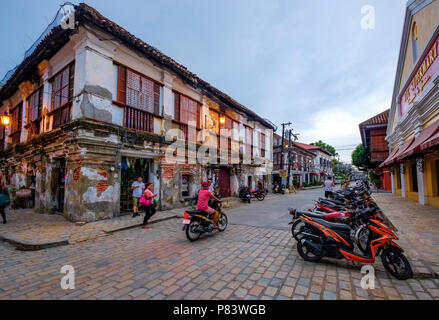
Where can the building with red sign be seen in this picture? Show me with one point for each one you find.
(373, 134)
(413, 125)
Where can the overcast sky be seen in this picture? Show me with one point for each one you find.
(307, 62)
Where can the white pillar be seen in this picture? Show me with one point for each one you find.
(391, 180)
(402, 170)
(421, 180)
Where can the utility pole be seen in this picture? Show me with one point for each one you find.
(290, 133)
(290, 146)
(283, 145)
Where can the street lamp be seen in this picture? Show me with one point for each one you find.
(5, 119)
(222, 119)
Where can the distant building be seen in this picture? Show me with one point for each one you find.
(301, 164)
(322, 163)
(373, 134)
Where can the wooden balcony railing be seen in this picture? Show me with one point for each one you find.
(138, 119)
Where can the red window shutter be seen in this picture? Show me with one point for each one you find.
(156, 99)
(198, 116)
(176, 106)
(122, 85)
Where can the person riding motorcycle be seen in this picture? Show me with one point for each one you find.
(203, 202)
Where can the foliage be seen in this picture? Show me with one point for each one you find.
(375, 179)
(325, 146)
(360, 157)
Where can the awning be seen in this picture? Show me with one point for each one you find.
(403, 149)
(434, 140)
(420, 139)
(389, 158)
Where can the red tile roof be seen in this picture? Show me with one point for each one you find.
(380, 118)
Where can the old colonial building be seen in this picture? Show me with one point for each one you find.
(322, 165)
(373, 134)
(413, 126)
(92, 107)
(300, 163)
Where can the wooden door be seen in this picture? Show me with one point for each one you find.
(224, 182)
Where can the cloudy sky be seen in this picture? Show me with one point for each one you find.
(307, 62)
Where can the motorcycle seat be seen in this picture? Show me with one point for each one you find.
(312, 214)
(199, 212)
(335, 226)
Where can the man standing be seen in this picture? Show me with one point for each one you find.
(329, 184)
(137, 187)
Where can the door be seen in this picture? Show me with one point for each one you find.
(224, 182)
(61, 185)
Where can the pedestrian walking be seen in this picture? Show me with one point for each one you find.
(4, 201)
(147, 202)
(329, 185)
(342, 183)
(138, 186)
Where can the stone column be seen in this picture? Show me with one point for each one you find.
(402, 170)
(421, 180)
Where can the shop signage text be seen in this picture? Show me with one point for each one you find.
(428, 68)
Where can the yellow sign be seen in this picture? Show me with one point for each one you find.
(283, 173)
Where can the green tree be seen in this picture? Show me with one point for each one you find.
(360, 157)
(325, 146)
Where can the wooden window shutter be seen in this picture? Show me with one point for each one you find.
(198, 116)
(156, 99)
(176, 106)
(122, 84)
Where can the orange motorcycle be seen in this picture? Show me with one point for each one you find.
(321, 238)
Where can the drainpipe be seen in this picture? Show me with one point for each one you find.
(160, 182)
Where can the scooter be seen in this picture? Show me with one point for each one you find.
(197, 222)
(326, 239)
(278, 188)
(245, 195)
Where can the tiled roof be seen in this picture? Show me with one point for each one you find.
(85, 13)
(91, 14)
(380, 118)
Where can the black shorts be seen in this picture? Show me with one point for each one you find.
(328, 194)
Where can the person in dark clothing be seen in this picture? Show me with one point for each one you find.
(149, 208)
(4, 201)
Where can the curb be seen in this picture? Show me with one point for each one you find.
(29, 246)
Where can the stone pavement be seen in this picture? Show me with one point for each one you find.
(160, 263)
(417, 227)
(28, 230)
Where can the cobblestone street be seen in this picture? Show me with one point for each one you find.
(244, 262)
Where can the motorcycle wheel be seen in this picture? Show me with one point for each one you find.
(307, 254)
(260, 196)
(297, 228)
(190, 234)
(396, 264)
(222, 223)
(362, 240)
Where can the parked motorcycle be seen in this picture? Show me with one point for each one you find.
(278, 188)
(259, 194)
(326, 239)
(244, 194)
(197, 222)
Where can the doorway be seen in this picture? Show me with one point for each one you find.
(224, 182)
(61, 179)
(131, 168)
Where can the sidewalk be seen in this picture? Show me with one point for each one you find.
(417, 229)
(27, 230)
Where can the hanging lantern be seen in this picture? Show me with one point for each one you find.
(5, 119)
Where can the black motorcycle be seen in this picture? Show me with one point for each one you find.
(197, 222)
(245, 194)
(278, 188)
